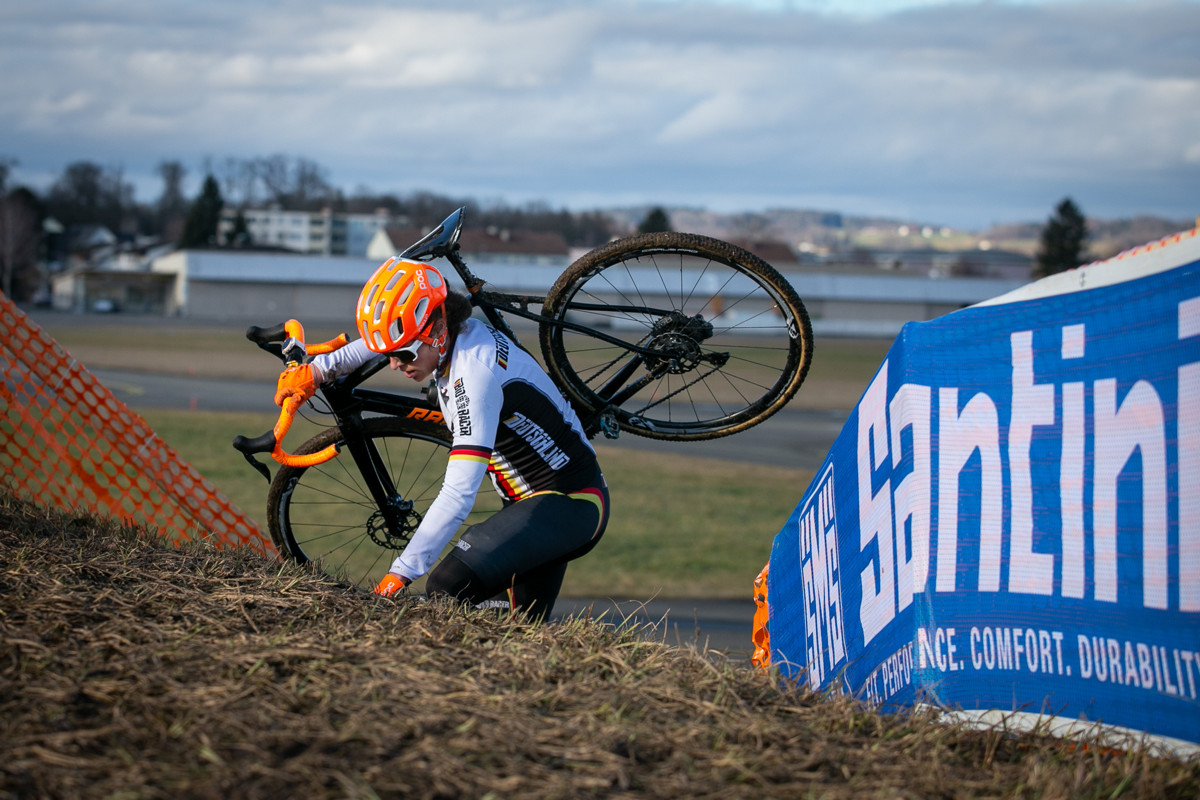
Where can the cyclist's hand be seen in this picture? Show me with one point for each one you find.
(296, 381)
(391, 584)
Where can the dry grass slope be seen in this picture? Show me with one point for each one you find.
(128, 669)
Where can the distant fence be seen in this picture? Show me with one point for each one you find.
(66, 441)
(1010, 519)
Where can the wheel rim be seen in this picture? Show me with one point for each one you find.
(708, 381)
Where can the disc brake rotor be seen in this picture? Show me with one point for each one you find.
(382, 533)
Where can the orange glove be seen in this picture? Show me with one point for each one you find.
(391, 584)
(295, 381)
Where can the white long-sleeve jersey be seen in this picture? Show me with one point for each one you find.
(508, 420)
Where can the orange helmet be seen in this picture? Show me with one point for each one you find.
(397, 304)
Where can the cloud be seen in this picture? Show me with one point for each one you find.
(964, 113)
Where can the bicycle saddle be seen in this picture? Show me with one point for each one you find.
(438, 242)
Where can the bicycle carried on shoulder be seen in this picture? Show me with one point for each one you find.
(666, 335)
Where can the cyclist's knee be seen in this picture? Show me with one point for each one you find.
(453, 578)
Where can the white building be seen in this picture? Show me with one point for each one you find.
(324, 232)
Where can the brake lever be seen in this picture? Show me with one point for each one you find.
(258, 465)
(293, 351)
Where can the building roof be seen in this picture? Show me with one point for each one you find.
(232, 266)
(242, 267)
(256, 267)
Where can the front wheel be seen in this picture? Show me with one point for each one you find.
(327, 514)
(700, 338)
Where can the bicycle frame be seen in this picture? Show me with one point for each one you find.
(443, 242)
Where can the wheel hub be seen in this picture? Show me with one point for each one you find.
(676, 341)
(675, 352)
(394, 537)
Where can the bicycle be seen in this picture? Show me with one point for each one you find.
(665, 335)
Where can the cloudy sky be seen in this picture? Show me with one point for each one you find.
(955, 113)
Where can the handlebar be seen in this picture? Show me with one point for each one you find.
(293, 350)
(291, 335)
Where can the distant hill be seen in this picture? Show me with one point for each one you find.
(1106, 237)
(823, 232)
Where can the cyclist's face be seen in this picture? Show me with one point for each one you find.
(420, 367)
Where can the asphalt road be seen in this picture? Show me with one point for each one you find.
(794, 437)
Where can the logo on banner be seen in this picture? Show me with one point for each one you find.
(821, 582)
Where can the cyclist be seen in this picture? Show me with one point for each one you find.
(508, 420)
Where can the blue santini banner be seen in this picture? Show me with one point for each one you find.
(1010, 518)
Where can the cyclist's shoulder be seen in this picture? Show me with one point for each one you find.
(474, 357)
(473, 333)
(481, 342)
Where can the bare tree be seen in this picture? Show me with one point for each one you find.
(86, 193)
(20, 238)
(6, 165)
(311, 185)
(172, 205)
(172, 201)
(272, 173)
(238, 179)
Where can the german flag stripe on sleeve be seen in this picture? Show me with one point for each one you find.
(472, 453)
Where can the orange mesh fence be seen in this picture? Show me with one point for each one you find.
(68, 442)
(761, 633)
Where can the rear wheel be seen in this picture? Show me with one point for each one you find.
(327, 515)
(712, 339)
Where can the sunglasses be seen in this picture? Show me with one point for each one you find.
(408, 353)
